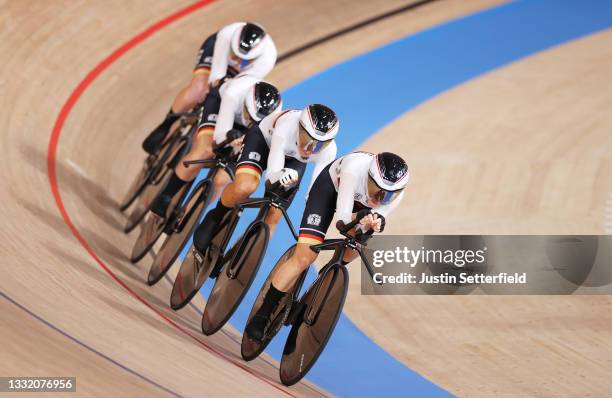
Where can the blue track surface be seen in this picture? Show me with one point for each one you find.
(369, 92)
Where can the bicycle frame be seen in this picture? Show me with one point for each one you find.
(339, 247)
(214, 165)
(264, 205)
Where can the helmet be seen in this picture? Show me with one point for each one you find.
(318, 127)
(247, 41)
(262, 99)
(387, 176)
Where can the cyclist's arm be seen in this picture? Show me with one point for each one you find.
(225, 118)
(221, 53)
(276, 158)
(265, 63)
(326, 157)
(346, 196)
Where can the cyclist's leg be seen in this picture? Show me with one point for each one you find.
(251, 163)
(201, 148)
(222, 179)
(187, 97)
(318, 214)
(284, 278)
(276, 214)
(192, 93)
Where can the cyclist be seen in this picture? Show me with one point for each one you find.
(283, 144)
(242, 103)
(357, 181)
(236, 49)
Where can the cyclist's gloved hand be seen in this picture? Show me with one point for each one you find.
(382, 222)
(236, 138)
(371, 221)
(234, 134)
(288, 178)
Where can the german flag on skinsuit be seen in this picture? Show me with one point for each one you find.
(309, 238)
(206, 129)
(205, 69)
(249, 168)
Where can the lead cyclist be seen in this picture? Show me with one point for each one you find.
(355, 182)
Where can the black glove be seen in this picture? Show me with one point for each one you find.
(382, 221)
(361, 214)
(234, 134)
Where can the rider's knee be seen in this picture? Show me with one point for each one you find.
(201, 151)
(246, 186)
(220, 181)
(302, 260)
(198, 87)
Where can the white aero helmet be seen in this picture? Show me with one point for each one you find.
(318, 127)
(262, 100)
(248, 41)
(389, 173)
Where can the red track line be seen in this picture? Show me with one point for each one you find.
(52, 170)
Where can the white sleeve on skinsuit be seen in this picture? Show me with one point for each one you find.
(326, 157)
(276, 158)
(225, 119)
(264, 63)
(232, 94)
(221, 53)
(346, 196)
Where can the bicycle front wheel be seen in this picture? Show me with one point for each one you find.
(235, 278)
(321, 309)
(250, 349)
(191, 213)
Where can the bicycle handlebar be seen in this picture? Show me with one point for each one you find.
(222, 144)
(185, 114)
(344, 228)
(207, 162)
(273, 188)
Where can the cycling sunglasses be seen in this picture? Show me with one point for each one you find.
(379, 194)
(309, 144)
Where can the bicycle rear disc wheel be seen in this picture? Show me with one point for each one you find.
(189, 280)
(235, 278)
(152, 230)
(158, 179)
(136, 187)
(152, 165)
(175, 242)
(250, 349)
(306, 342)
(145, 202)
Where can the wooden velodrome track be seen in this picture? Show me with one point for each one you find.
(113, 342)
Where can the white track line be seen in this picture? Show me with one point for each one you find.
(76, 168)
(608, 215)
